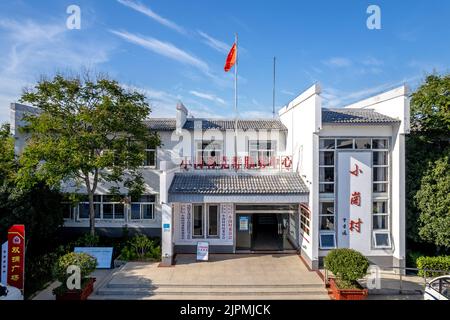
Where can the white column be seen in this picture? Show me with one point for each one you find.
(166, 235)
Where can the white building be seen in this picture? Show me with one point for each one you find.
(312, 180)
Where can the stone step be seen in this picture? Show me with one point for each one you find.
(146, 285)
(210, 291)
(245, 296)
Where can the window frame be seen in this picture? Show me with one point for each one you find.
(325, 233)
(202, 236)
(141, 210)
(386, 232)
(219, 158)
(151, 149)
(208, 235)
(272, 151)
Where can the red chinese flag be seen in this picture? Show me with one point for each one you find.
(231, 58)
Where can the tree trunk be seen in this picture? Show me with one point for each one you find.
(91, 213)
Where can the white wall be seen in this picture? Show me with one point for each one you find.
(303, 118)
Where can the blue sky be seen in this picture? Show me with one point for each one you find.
(175, 50)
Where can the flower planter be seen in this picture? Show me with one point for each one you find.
(81, 294)
(346, 294)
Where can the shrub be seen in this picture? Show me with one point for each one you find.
(433, 263)
(86, 263)
(141, 248)
(347, 265)
(87, 240)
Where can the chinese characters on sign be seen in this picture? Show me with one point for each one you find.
(355, 225)
(16, 256)
(355, 200)
(356, 171)
(236, 163)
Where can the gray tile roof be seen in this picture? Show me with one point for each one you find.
(228, 124)
(161, 124)
(364, 116)
(167, 124)
(239, 183)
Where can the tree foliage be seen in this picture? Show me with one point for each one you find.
(428, 148)
(433, 201)
(87, 131)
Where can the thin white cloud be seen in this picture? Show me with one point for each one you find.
(287, 92)
(217, 45)
(207, 96)
(338, 62)
(372, 61)
(164, 48)
(29, 49)
(135, 5)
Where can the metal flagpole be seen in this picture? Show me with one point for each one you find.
(236, 100)
(273, 93)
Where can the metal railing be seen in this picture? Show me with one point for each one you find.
(402, 274)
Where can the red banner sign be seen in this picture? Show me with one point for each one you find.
(16, 256)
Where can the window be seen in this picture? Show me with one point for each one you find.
(344, 143)
(326, 165)
(261, 152)
(327, 240)
(67, 210)
(150, 156)
(381, 239)
(143, 208)
(326, 215)
(213, 221)
(208, 153)
(198, 221)
(105, 207)
(380, 144)
(326, 144)
(83, 207)
(363, 143)
(305, 219)
(327, 225)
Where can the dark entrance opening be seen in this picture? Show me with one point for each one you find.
(266, 232)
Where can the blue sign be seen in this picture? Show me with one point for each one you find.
(166, 226)
(243, 223)
(102, 254)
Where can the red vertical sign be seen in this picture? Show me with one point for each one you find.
(16, 256)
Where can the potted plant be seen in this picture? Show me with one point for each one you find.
(348, 266)
(86, 264)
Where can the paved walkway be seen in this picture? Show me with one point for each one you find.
(279, 276)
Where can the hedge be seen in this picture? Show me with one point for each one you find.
(433, 263)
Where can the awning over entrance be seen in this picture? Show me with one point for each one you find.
(286, 187)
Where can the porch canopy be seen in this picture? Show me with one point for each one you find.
(240, 187)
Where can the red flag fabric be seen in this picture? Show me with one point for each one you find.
(231, 58)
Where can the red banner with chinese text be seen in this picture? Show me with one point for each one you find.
(16, 256)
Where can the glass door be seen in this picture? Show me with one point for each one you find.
(243, 231)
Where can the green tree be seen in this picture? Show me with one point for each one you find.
(87, 131)
(7, 163)
(433, 201)
(426, 148)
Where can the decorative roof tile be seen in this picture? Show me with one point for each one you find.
(239, 183)
(348, 116)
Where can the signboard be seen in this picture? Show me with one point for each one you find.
(16, 256)
(4, 275)
(243, 223)
(102, 254)
(166, 227)
(354, 200)
(202, 251)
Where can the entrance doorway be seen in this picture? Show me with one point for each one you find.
(263, 231)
